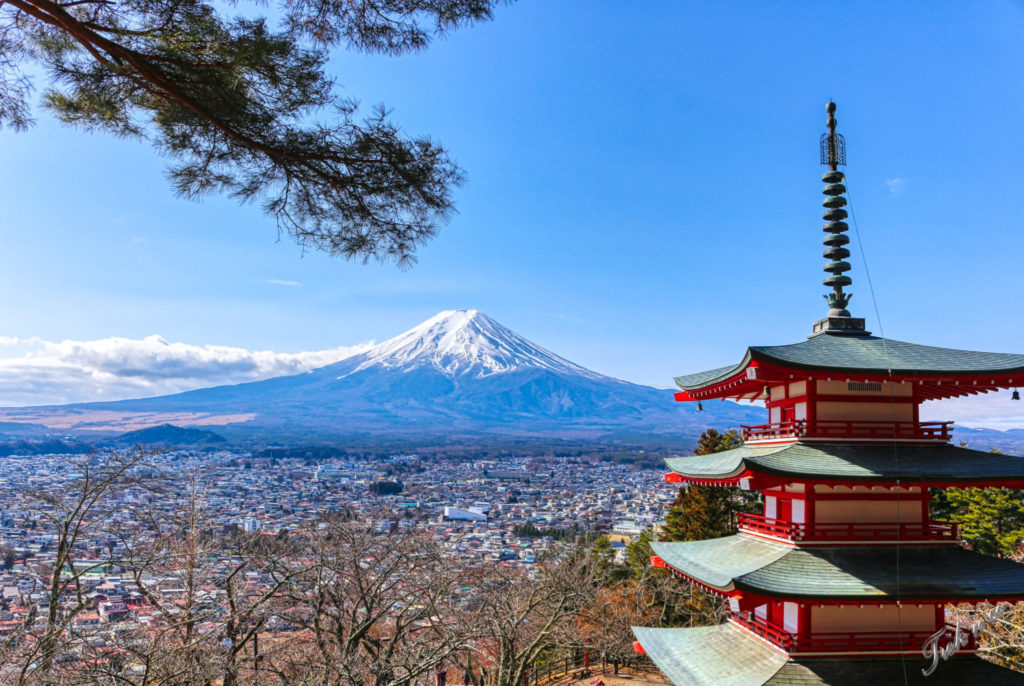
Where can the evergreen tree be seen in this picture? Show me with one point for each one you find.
(230, 101)
(638, 553)
(991, 519)
(713, 442)
(608, 571)
(700, 512)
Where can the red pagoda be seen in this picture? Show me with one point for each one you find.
(844, 578)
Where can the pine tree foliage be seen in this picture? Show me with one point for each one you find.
(700, 512)
(991, 519)
(713, 442)
(638, 553)
(230, 100)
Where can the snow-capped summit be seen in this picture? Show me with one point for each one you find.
(460, 373)
(464, 342)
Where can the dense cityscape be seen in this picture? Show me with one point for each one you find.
(110, 569)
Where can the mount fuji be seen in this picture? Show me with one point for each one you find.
(458, 373)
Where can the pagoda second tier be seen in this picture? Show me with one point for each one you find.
(750, 570)
(760, 466)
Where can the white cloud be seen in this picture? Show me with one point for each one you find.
(985, 411)
(40, 372)
(896, 186)
(284, 282)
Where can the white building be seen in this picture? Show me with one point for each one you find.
(470, 515)
(251, 525)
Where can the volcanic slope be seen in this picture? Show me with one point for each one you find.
(460, 371)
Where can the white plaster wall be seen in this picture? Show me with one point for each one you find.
(799, 512)
(790, 615)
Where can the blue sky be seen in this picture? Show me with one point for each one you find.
(643, 192)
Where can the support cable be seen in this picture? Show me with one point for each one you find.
(895, 445)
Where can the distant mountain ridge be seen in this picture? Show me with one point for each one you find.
(458, 373)
(166, 435)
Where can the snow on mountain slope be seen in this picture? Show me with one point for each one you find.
(459, 371)
(463, 343)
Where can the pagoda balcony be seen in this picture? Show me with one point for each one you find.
(938, 432)
(800, 532)
(849, 642)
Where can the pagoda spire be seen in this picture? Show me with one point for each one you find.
(833, 154)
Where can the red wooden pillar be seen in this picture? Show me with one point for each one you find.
(812, 404)
(803, 624)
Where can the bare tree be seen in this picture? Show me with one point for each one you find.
(205, 622)
(372, 608)
(522, 616)
(69, 516)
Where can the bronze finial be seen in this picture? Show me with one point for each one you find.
(833, 154)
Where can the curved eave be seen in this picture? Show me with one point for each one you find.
(712, 377)
(932, 465)
(722, 655)
(824, 357)
(745, 564)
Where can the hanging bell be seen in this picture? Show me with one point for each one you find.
(700, 408)
(1016, 395)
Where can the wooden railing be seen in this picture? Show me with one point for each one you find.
(769, 632)
(861, 641)
(849, 531)
(801, 428)
(907, 641)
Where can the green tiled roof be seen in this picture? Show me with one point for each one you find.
(866, 354)
(717, 561)
(925, 463)
(725, 655)
(722, 655)
(907, 572)
(700, 378)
